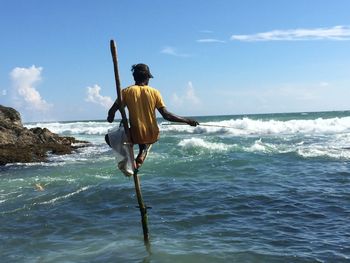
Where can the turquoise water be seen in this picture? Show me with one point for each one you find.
(257, 188)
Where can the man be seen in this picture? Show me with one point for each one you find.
(142, 101)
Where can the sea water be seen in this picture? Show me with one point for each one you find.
(255, 188)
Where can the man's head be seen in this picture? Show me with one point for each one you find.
(141, 72)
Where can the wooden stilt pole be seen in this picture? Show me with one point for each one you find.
(143, 208)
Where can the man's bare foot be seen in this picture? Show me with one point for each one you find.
(139, 160)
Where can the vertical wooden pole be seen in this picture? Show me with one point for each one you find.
(143, 208)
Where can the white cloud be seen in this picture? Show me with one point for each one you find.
(189, 99)
(24, 81)
(4, 92)
(94, 96)
(210, 40)
(173, 52)
(330, 33)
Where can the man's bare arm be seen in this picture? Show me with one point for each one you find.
(112, 111)
(172, 117)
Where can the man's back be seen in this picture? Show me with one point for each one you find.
(142, 101)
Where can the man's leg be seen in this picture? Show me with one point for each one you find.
(107, 140)
(143, 151)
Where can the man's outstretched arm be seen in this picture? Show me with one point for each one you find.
(172, 117)
(112, 111)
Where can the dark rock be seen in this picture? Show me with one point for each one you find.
(21, 145)
(9, 117)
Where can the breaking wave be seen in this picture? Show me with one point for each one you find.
(58, 198)
(197, 143)
(305, 150)
(237, 127)
(76, 128)
(247, 126)
(308, 138)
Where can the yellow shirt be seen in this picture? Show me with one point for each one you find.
(142, 101)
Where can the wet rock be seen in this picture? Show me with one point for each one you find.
(21, 145)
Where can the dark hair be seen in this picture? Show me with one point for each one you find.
(141, 72)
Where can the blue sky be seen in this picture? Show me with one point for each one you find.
(207, 57)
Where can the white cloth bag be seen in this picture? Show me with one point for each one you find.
(123, 150)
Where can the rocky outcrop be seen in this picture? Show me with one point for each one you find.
(21, 145)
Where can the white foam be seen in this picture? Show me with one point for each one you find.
(258, 146)
(236, 127)
(63, 197)
(247, 126)
(76, 128)
(321, 151)
(307, 138)
(94, 152)
(48, 164)
(200, 143)
(328, 149)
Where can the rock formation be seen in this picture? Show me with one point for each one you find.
(19, 144)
